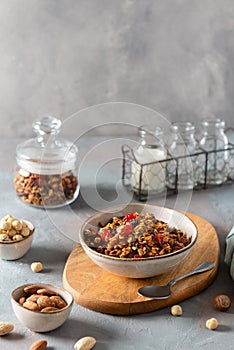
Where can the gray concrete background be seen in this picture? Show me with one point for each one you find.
(52, 245)
(59, 57)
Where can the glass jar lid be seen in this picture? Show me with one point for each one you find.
(46, 153)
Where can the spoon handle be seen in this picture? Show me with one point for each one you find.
(205, 266)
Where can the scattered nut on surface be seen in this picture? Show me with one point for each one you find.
(36, 266)
(12, 229)
(212, 323)
(176, 310)
(5, 328)
(222, 302)
(85, 343)
(39, 345)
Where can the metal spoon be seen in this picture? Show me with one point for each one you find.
(163, 292)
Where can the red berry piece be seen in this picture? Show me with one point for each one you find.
(127, 230)
(106, 235)
(159, 238)
(129, 217)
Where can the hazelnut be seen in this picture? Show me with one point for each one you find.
(222, 302)
(176, 310)
(212, 323)
(36, 266)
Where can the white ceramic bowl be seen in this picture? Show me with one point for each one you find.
(13, 250)
(40, 321)
(143, 267)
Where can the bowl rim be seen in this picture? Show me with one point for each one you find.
(25, 238)
(43, 285)
(108, 257)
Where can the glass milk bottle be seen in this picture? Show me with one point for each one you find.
(214, 141)
(181, 168)
(148, 174)
(46, 167)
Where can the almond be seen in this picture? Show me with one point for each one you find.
(30, 305)
(5, 328)
(44, 291)
(31, 289)
(44, 301)
(22, 300)
(86, 343)
(33, 297)
(39, 345)
(50, 309)
(58, 302)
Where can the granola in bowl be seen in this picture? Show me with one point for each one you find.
(138, 240)
(136, 236)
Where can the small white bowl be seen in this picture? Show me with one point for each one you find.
(13, 250)
(142, 267)
(41, 321)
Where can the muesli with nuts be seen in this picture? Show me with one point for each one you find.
(135, 236)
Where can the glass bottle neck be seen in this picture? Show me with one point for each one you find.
(185, 130)
(150, 137)
(213, 126)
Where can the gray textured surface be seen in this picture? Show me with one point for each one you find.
(58, 57)
(156, 330)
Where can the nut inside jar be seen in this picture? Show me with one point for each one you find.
(45, 190)
(135, 236)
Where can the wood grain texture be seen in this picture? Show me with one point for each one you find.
(101, 291)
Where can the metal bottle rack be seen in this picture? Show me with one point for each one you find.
(201, 157)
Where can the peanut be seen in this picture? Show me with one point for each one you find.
(85, 343)
(5, 328)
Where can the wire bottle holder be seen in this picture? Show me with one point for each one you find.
(200, 158)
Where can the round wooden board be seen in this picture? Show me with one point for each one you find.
(101, 291)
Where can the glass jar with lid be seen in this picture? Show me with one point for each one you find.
(214, 141)
(148, 168)
(181, 168)
(46, 167)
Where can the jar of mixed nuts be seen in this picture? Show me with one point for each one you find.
(46, 167)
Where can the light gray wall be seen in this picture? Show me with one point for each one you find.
(61, 56)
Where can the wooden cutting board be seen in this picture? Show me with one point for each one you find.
(101, 291)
